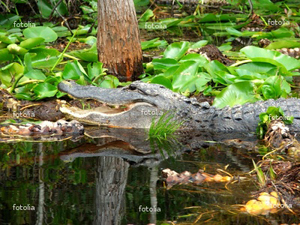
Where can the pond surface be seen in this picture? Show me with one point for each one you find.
(85, 181)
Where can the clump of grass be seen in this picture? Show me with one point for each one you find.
(164, 127)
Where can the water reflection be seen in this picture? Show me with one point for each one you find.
(113, 176)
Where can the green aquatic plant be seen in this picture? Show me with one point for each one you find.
(164, 127)
(272, 113)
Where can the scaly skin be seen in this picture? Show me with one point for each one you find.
(145, 101)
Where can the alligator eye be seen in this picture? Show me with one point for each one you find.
(132, 87)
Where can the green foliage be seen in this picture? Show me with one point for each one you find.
(261, 177)
(272, 113)
(164, 127)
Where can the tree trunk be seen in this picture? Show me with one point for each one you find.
(118, 40)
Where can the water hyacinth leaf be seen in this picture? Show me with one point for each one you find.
(273, 57)
(184, 73)
(154, 43)
(31, 42)
(35, 75)
(249, 75)
(200, 59)
(5, 55)
(46, 8)
(275, 87)
(7, 21)
(258, 67)
(235, 94)
(284, 44)
(224, 78)
(162, 80)
(199, 44)
(5, 40)
(89, 55)
(44, 32)
(45, 90)
(95, 69)
(71, 71)
(176, 50)
(215, 66)
(169, 73)
(163, 64)
(197, 83)
(10, 73)
(16, 49)
(24, 96)
(146, 15)
(109, 82)
(44, 58)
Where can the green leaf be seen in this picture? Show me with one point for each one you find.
(275, 87)
(258, 67)
(95, 69)
(276, 58)
(46, 8)
(89, 55)
(44, 58)
(163, 64)
(153, 43)
(43, 32)
(200, 59)
(7, 21)
(199, 44)
(5, 55)
(284, 44)
(72, 71)
(31, 42)
(35, 75)
(160, 79)
(184, 74)
(235, 94)
(5, 40)
(45, 90)
(146, 15)
(16, 49)
(10, 73)
(176, 50)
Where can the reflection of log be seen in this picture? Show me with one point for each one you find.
(40, 212)
(153, 193)
(110, 187)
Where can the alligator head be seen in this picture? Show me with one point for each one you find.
(133, 106)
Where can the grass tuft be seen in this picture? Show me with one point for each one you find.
(164, 127)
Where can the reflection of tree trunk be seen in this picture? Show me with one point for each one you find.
(40, 211)
(110, 188)
(153, 196)
(118, 40)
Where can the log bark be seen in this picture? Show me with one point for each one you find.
(118, 39)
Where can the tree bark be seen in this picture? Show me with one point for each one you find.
(118, 39)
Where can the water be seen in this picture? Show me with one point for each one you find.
(84, 182)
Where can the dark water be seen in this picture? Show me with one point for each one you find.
(85, 182)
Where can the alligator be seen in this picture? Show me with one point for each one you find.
(136, 105)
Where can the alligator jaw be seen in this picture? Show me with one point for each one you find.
(137, 115)
(143, 101)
